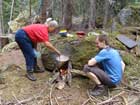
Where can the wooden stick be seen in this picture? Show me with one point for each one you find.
(1, 97)
(125, 100)
(57, 101)
(16, 98)
(91, 98)
(130, 87)
(51, 103)
(24, 101)
(32, 98)
(110, 99)
(85, 102)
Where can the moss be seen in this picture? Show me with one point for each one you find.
(80, 51)
(129, 59)
(83, 52)
(115, 43)
(134, 19)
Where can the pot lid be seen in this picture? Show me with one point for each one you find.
(62, 58)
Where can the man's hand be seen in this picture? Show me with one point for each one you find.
(58, 52)
(92, 62)
(51, 47)
(37, 53)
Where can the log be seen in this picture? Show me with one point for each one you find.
(78, 72)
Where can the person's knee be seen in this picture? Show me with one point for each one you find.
(90, 74)
(86, 68)
(93, 77)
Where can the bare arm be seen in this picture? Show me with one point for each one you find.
(51, 47)
(123, 65)
(92, 62)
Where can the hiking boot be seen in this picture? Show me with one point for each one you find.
(98, 91)
(37, 69)
(30, 76)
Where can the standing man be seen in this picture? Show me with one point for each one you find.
(28, 37)
(110, 70)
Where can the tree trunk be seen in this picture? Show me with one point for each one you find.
(123, 3)
(67, 16)
(62, 11)
(106, 13)
(44, 10)
(92, 18)
(1, 21)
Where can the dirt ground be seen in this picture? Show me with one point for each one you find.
(16, 85)
(17, 88)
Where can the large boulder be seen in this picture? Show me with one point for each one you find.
(79, 51)
(129, 16)
(124, 15)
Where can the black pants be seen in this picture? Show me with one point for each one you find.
(101, 75)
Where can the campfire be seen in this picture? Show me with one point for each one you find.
(63, 75)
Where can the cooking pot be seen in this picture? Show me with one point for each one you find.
(62, 59)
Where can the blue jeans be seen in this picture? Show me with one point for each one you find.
(26, 46)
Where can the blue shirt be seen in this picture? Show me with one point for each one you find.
(110, 61)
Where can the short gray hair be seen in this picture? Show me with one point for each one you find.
(52, 23)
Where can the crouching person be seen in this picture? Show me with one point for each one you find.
(110, 70)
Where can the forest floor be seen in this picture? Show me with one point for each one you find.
(18, 90)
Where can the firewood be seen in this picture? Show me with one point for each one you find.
(130, 87)
(50, 95)
(85, 102)
(110, 99)
(56, 101)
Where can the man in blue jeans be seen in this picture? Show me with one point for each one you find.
(28, 37)
(110, 70)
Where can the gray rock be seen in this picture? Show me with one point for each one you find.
(124, 15)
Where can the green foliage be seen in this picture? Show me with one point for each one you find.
(114, 42)
(6, 12)
(19, 6)
(129, 59)
(135, 18)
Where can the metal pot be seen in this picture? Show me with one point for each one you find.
(62, 59)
